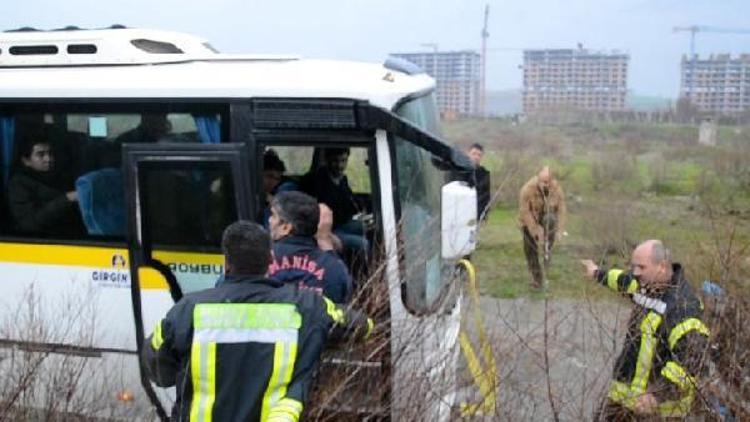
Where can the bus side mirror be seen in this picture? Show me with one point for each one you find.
(458, 220)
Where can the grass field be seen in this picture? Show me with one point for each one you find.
(624, 183)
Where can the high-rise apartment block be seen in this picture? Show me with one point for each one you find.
(456, 74)
(719, 84)
(574, 79)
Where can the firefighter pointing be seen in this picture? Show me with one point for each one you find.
(656, 372)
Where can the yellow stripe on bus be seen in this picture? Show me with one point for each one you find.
(101, 258)
(85, 256)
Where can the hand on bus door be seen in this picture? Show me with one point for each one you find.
(72, 196)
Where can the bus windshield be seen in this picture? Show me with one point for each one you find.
(419, 187)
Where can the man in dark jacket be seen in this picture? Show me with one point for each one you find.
(657, 371)
(330, 186)
(482, 179)
(245, 350)
(296, 256)
(37, 201)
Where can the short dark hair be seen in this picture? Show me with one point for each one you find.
(42, 135)
(272, 162)
(477, 145)
(246, 247)
(335, 152)
(298, 209)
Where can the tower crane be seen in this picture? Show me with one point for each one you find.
(483, 67)
(694, 29)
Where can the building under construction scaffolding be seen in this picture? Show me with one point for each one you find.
(719, 84)
(574, 79)
(457, 76)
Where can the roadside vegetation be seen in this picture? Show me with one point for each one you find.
(624, 183)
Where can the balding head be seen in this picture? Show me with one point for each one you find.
(544, 179)
(651, 263)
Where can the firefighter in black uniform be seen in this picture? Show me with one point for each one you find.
(657, 370)
(245, 349)
(296, 256)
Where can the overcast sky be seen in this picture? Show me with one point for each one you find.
(370, 29)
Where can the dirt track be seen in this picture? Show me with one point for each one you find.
(583, 339)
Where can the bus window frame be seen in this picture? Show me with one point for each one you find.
(18, 106)
(326, 139)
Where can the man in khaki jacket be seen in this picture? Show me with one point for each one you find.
(541, 215)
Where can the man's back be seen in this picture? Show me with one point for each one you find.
(243, 350)
(298, 259)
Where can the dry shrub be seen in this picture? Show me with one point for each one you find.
(609, 228)
(610, 171)
(46, 372)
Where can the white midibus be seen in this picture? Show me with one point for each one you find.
(158, 144)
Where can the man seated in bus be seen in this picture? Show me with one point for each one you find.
(153, 128)
(296, 255)
(330, 186)
(274, 181)
(38, 199)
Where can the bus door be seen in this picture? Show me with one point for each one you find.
(433, 219)
(179, 200)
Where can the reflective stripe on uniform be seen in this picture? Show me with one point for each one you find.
(246, 315)
(685, 327)
(245, 335)
(203, 376)
(646, 352)
(650, 303)
(285, 410)
(157, 338)
(619, 392)
(632, 287)
(370, 327)
(675, 373)
(612, 276)
(214, 323)
(626, 396)
(284, 357)
(334, 312)
(676, 408)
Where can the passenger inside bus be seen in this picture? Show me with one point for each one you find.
(274, 181)
(40, 201)
(329, 185)
(154, 127)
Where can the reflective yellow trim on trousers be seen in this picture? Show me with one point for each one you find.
(612, 276)
(203, 376)
(156, 338)
(685, 327)
(284, 357)
(646, 352)
(287, 410)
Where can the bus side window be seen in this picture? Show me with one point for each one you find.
(80, 194)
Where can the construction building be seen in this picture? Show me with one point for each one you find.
(719, 84)
(574, 79)
(456, 74)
